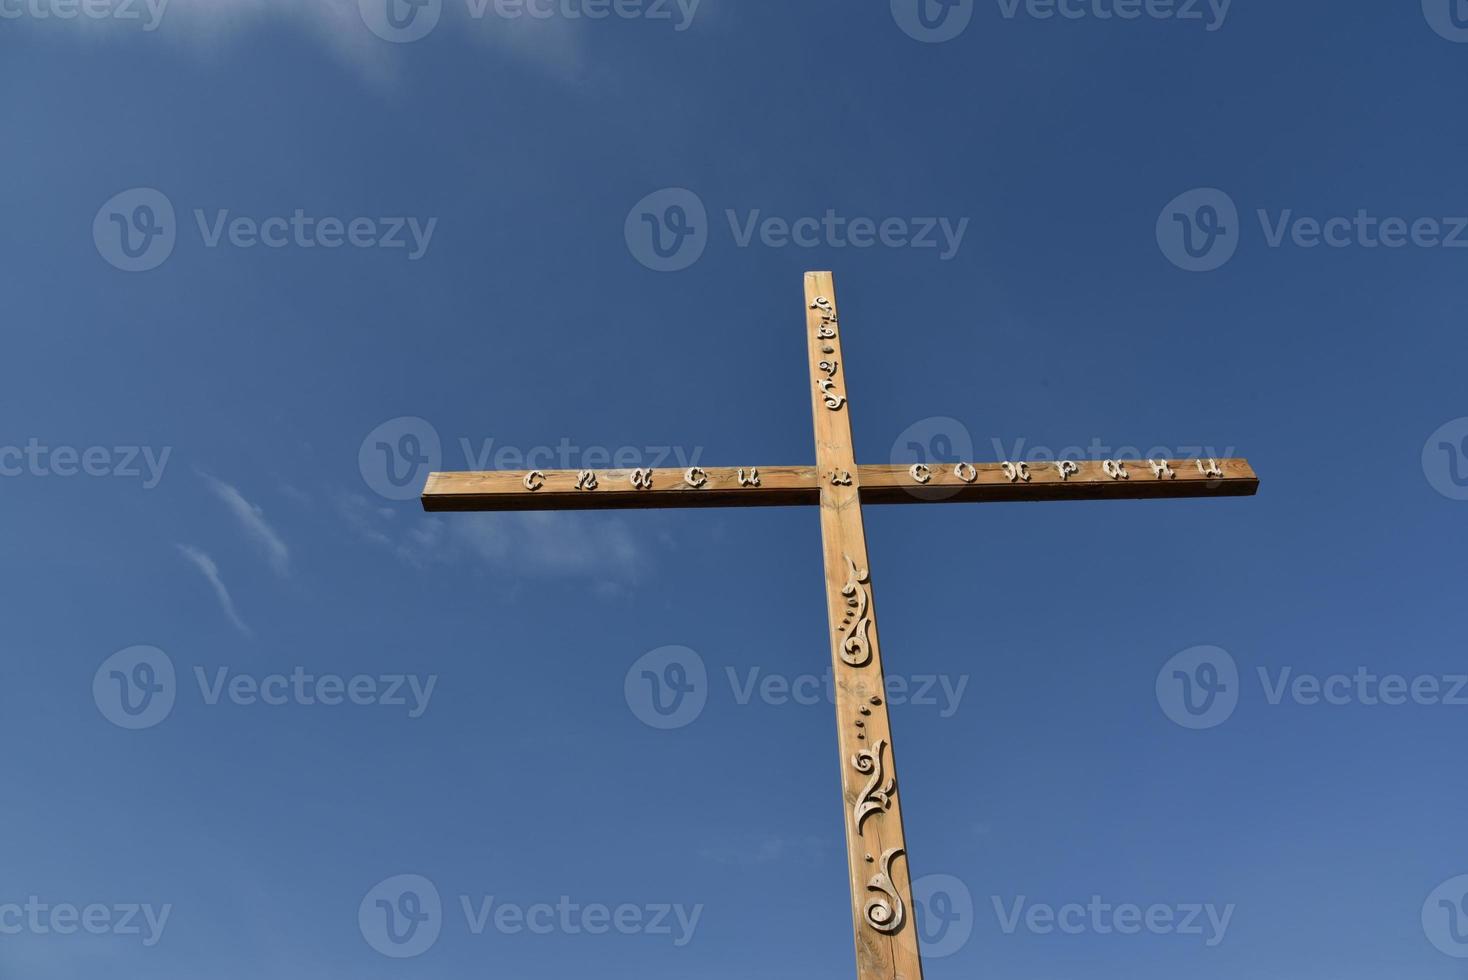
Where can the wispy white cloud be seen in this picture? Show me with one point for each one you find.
(252, 519)
(373, 521)
(554, 44)
(552, 544)
(599, 547)
(210, 571)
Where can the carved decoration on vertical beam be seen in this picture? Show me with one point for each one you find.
(832, 397)
(827, 389)
(876, 795)
(885, 913)
(856, 648)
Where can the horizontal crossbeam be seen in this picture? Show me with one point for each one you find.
(785, 486)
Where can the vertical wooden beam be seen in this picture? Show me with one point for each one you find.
(881, 889)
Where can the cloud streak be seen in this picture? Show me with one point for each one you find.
(210, 571)
(553, 44)
(252, 519)
(563, 545)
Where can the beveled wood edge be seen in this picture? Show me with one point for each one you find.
(789, 486)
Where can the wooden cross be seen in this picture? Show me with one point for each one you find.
(881, 890)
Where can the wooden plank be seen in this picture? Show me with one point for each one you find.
(881, 891)
(764, 486)
(1081, 480)
(882, 908)
(785, 486)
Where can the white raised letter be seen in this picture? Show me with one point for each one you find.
(1016, 471)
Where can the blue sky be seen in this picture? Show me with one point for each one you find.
(245, 243)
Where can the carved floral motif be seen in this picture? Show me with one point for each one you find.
(827, 388)
(825, 333)
(856, 647)
(876, 795)
(885, 913)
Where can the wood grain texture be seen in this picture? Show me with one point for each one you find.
(1089, 480)
(876, 847)
(779, 486)
(789, 486)
(883, 914)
